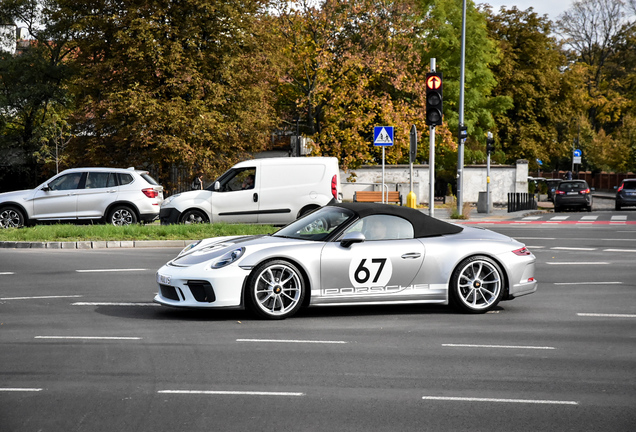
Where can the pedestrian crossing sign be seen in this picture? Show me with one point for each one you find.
(383, 136)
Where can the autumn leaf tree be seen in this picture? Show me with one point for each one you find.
(164, 84)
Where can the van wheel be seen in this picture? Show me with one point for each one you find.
(11, 217)
(121, 216)
(194, 217)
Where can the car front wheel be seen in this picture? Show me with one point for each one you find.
(122, 215)
(194, 217)
(11, 217)
(476, 285)
(276, 290)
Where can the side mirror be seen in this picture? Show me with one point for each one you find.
(351, 238)
(46, 188)
(217, 186)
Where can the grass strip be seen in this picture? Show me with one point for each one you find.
(68, 232)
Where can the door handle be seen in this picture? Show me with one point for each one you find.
(411, 255)
(255, 197)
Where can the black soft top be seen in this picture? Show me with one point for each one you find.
(423, 225)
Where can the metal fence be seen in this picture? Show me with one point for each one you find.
(521, 201)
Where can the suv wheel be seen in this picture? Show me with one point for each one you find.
(122, 215)
(11, 217)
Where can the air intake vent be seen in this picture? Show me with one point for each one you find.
(202, 291)
(169, 292)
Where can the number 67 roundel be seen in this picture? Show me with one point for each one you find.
(366, 272)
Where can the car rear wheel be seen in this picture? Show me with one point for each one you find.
(11, 217)
(617, 206)
(194, 217)
(122, 215)
(276, 290)
(476, 285)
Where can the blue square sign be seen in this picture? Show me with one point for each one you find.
(383, 136)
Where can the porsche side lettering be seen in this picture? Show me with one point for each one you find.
(391, 289)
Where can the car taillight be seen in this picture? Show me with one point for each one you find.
(150, 193)
(560, 192)
(621, 187)
(334, 186)
(586, 191)
(522, 252)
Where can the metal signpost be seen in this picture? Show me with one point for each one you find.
(383, 137)
(411, 199)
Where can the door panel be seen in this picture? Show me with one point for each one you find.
(371, 271)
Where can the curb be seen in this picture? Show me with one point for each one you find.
(96, 244)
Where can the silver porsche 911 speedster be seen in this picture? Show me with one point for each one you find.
(350, 254)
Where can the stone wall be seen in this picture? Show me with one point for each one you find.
(503, 179)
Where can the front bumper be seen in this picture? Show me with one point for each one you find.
(197, 287)
(169, 216)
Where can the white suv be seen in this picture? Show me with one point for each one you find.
(118, 196)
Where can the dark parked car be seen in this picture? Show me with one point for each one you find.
(626, 194)
(572, 193)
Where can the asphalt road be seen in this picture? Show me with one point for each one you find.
(82, 348)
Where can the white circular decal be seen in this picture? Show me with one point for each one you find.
(370, 271)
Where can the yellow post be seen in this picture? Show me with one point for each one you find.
(411, 200)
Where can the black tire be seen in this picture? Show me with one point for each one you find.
(122, 216)
(617, 206)
(275, 290)
(11, 217)
(589, 209)
(477, 285)
(557, 209)
(194, 217)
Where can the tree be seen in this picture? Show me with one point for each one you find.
(546, 94)
(167, 83)
(351, 67)
(33, 85)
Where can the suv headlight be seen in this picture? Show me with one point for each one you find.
(228, 258)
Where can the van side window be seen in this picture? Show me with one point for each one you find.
(243, 179)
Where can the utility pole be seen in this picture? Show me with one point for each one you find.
(461, 136)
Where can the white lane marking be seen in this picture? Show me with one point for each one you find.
(20, 389)
(535, 247)
(6, 273)
(89, 337)
(619, 250)
(606, 315)
(244, 393)
(559, 218)
(498, 346)
(527, 401)
(619, 218)
(577, 263)
(535, 238)
(112, 304)
(589, 218)
(531, 218)
(39, 297)
(291, 341)
(572, 248)
(110, 270)
(588, 283)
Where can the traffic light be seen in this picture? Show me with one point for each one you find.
(490, 143)
(434, 94)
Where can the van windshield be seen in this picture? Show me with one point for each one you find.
(317, 225)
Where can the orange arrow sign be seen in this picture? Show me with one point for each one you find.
(434, 82)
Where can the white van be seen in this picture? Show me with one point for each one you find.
(264, 191)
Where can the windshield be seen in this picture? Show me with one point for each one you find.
(317, 225)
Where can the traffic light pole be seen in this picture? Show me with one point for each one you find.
(431, 161)
(460, 147)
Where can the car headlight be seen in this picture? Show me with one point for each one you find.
(228, 258)
(189, 247)
(169, 199)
